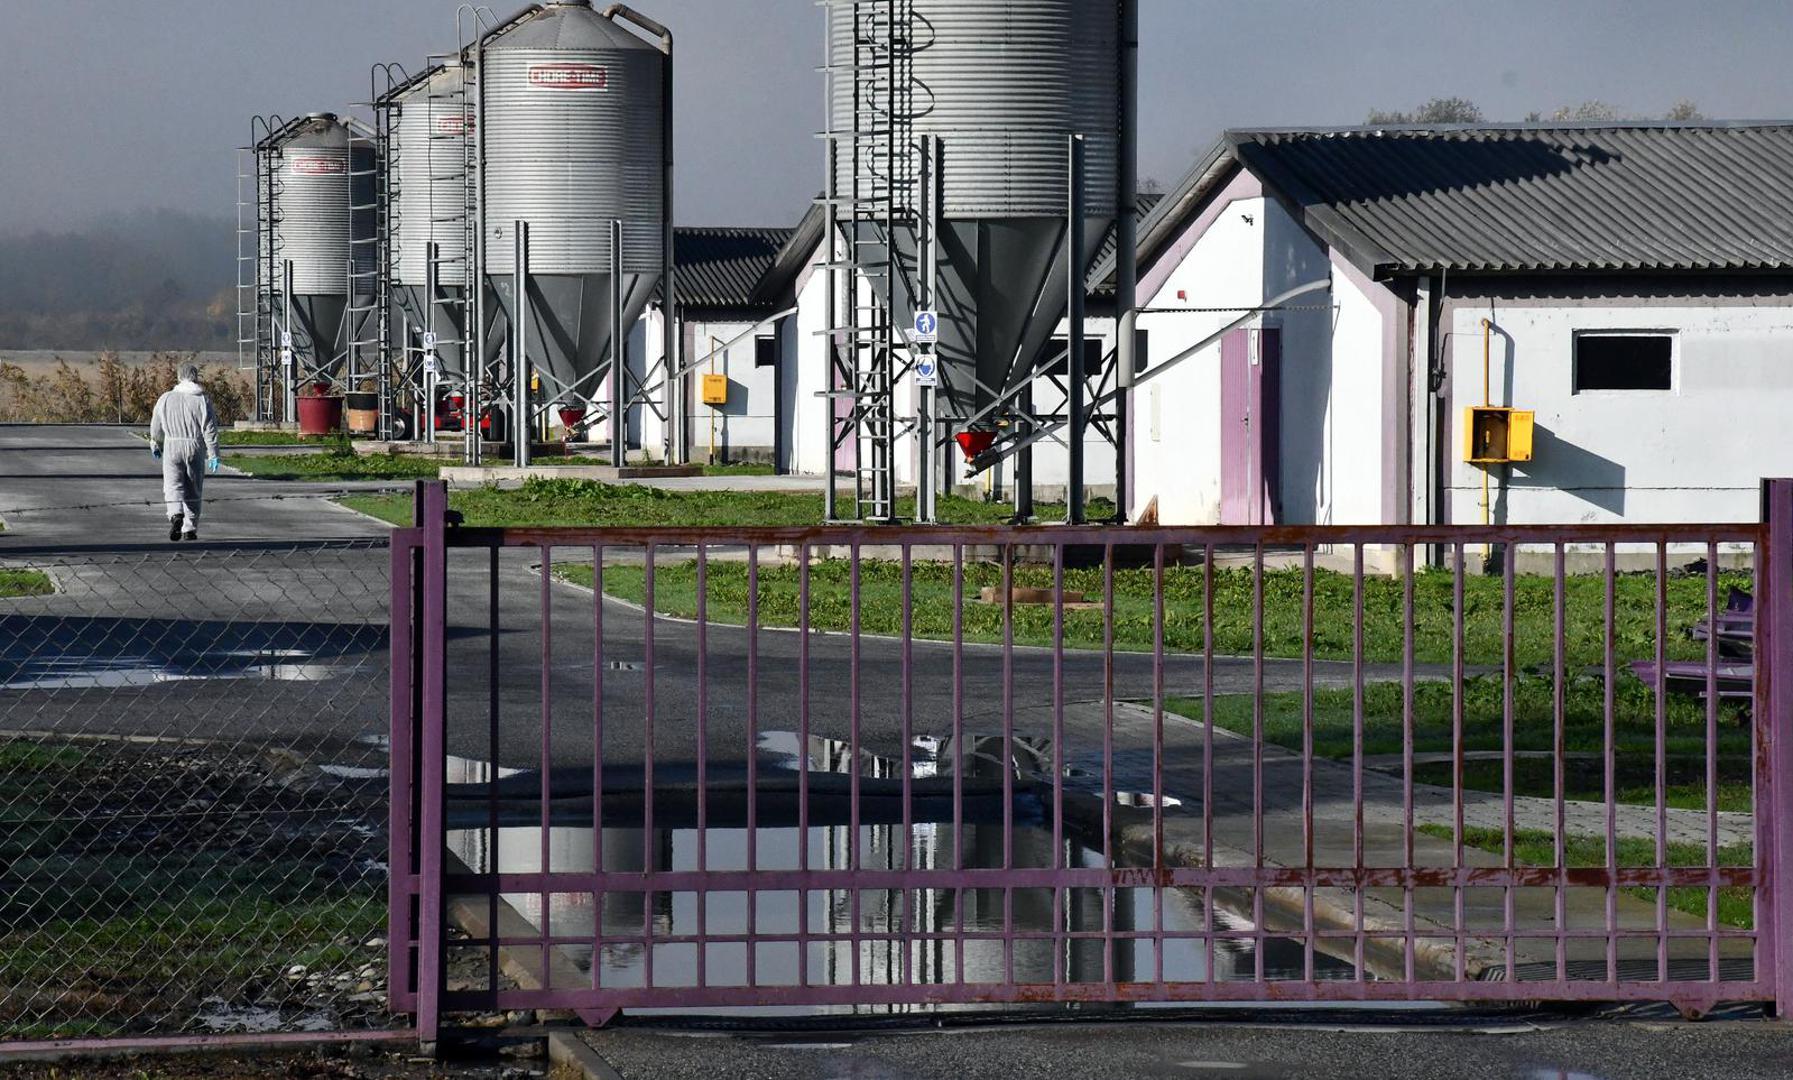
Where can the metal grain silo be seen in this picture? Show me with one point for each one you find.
(429, 205)
(574, 120)
(1002, 85)
(312, 235)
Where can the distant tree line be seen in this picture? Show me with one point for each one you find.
(1456, 110)
(154, 280)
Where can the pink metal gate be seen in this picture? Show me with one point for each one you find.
(824, 768)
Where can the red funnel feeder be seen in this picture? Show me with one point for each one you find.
(974, 443)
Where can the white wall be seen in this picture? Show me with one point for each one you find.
(1692, 453)
(749, 421)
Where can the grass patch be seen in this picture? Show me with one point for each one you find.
(17, 583)
(1534, 847)
(336, 464)
(233, 437)
(1136, 591)
(1634, 727)
(549, 501)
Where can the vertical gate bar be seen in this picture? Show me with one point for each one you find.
(1257, 758)
(753, 756)
(1208, 753)
(547, 758)
(1774, 860)
(1457, 899)
(1409, 947)
(1357, 844)
(1508, 660)
(703, 755)
(1158, 860)
(493, 900)
(399, 822)
(908, 706)
(803, 761)
(1307, 761)
(1661, 625)
(647, 758)
(430, 841)
(1559, 747)
(597, 758)
(853, 691)
(1110, 895)
(1008, 761)
(959, 758)
(1611, 762)
(1059, 974)
(1712, 759)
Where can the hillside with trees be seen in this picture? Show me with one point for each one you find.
(146, 281)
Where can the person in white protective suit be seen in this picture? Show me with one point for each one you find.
(183, 436)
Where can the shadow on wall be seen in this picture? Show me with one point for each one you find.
(1562, 465)
(1292, 257)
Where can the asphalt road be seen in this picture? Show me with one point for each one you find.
(97, 487)
(1337, 1049)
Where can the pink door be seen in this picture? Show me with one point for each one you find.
(1249, 363)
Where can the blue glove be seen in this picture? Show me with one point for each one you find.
(212, 464)
(155, 451)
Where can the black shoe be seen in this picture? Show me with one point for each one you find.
(174, 526)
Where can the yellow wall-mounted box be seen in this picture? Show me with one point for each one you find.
(1493, 435)
(715, 389)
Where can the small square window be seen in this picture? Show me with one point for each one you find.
(1054, 358)
(765, 352)
(1624, 361)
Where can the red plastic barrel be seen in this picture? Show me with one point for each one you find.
(319, 415)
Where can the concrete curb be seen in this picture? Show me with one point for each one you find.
(568, 1051)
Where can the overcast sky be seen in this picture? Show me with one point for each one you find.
(115, 106)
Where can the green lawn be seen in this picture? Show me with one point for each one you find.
(590, 503)
(1136, 591)
(233, 437)
(335, 464)
(16, 583)
(1736, 906)
(1634, 708)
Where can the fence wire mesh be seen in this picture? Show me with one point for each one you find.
(192, 790)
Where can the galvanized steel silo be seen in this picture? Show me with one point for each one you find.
(428, 150)
(315, 164)
(1003, 85)
(574, 117)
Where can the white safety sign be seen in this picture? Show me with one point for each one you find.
(927, 328)
(429, 341)
(430, 365)
(927, 371)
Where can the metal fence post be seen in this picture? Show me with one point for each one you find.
(432, 639)
(1774, 832)
(401, 822)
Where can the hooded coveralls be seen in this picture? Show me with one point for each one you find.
(186, 429)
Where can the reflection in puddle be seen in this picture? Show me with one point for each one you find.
(125, 671)
(885, 935)
(934, 935)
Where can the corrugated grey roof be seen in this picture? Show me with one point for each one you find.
(1526, 198)
(721, 266)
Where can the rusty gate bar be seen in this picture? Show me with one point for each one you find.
(1279, 757)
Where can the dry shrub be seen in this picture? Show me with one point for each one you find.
(116, 393)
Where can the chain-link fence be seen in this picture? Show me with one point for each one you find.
(192, 789)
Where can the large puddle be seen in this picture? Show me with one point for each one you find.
(888, 936)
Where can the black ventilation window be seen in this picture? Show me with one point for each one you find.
(1055, 357)
(1624, 362)
(765, 352)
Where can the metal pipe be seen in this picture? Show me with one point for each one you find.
(619, 412)
(990, 457)
(1077, 265)
(522, 427)
(1126, 266)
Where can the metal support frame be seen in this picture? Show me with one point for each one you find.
(522, 430)
(619, 353)
(1126, 265)
(1078, 288)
